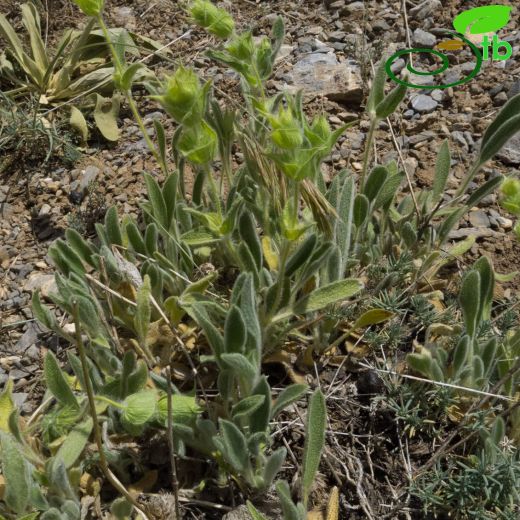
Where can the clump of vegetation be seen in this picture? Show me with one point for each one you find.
(28, 138)
(305, 263)
(77, 74)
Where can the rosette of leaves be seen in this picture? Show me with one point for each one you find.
(56, 77)
(468, 354)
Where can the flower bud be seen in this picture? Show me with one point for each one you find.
(183, 96)
(511, 187)
(90, 7)
(511, 195)
(287, 133)
(216, 21)
(242, 47)
(198, 143)
(320, 127)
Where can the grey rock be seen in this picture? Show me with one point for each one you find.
(510, 153)
(424, 9)
(44, 210)
(500, 99)
(44, 282)
(479, 219)
(424, 39)
(28, 338)
(124, 17)
(437, 94)
(380, 26)
(398, 65)
(472, 231)
(322, 74)
(459, 138)
(424, 104)
(19, 398)
(89, 175)
(514, 90)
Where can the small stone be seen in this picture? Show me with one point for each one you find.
(514, 90)
(500, 99)
(321, 74)
(505, 223)
(424, 9)
(510, 152)
(424, 104)
(44, 210)
(424, 39)
(124, 17)
(89, 175)
(44, 282)
(437, 95)
(479, 219)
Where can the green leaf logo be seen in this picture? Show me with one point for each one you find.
(489, 18)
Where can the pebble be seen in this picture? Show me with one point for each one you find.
(424, 104)
(424, 39)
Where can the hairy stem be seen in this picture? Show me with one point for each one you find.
(368, 148)
(92, 406)
(120, 67)
(171, 448)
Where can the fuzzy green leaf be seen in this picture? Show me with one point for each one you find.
(301, 255)
(159, 210)
(75, 442)
(16, 473)
(442, 171)
(234, 331)
(112, 228)
(484, 190)
(390, 102)
(328, 295)
(246, 407)
(372, 317)
(377, 91)
(469, 298)
(289, 509)
(487, 284)
(241, 366)
(255, 514)
(273, 465)
(139, 408)
(56, 382)
(314, 441)
(461, 354)
(361, 205)
(235, 445)
(374, 182)
(288, 396)
(143, 311)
